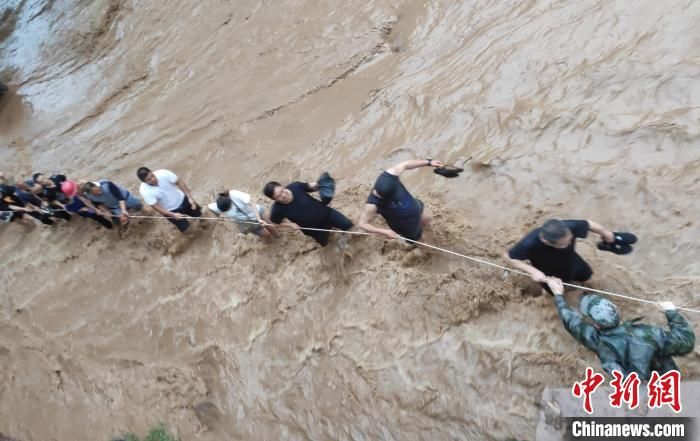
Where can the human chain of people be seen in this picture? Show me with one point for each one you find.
(546, 254)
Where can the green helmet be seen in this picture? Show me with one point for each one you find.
(600, 310)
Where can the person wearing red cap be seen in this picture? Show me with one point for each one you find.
(76, 204)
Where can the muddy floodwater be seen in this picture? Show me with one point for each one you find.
(568, 109)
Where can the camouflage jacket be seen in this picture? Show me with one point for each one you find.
(631, 347)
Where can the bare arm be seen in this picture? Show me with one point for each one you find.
(185, 189)
(607, 235)
(165, 212)
(411, 164)
(255, 210)
(537, 275)
(365, 222)
(313, 186)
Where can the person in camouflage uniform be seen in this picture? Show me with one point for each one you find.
(625, 346)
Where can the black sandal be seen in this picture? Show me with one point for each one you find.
(616, 248)
(625, 238)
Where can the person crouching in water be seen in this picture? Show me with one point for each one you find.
(250, 218)
(625, 346)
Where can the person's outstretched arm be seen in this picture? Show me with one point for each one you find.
(535, 274)
(583, 332)
(606, 234)
(680, 339)
(411, 164)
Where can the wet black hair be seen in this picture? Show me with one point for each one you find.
(553, 230)
(142, 172)
(269, 188)
(88, 186)
(224, 202)
(36, 175)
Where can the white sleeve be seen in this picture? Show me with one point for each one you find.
(168, 176)
(147, 195)
(241, 196)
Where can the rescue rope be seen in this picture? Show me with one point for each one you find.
(423, 244)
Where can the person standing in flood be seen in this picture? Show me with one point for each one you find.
(168, 195)
(625, 346)
(551, 250)
(295, 208)
(48, 188)
(81, 206)
(405, 214)
(114, 198)
(250, 217)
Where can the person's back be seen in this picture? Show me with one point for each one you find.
(644, 348)
(628, 346)
(402, 212)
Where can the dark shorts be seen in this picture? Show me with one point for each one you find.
(186, 209)
(581, 272)
(335, 220)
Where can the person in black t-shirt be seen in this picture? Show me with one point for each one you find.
(550, 250)
(295, 208)
(389, 198)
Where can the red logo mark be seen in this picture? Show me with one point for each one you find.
(625, 391)
(665, 389)
(586, 388)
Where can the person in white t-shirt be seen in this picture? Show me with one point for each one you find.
(169, 196)
(250, 217)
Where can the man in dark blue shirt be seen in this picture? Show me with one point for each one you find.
(294, 208)
(404, 214)
(551, 251)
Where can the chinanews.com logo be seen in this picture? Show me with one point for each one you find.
(661, 390)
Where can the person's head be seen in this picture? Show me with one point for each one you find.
(69, 188)
(603, 312)
(386, 187)
(224, 202)
(146, 175)
(276, 192)
(5, 190)
(555, 234)
(92, 188)
(40, 179)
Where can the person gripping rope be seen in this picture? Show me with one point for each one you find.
(551, 250)
(82, 206)
(240, 207)
(294, 208)
(625, 346)
(168, 195)
(114, 198)
(405, 215)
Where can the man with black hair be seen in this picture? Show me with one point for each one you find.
(405, 215)
(551, 250)
(294, 208)
(169, 196)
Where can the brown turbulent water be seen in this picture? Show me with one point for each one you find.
(571, 109)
